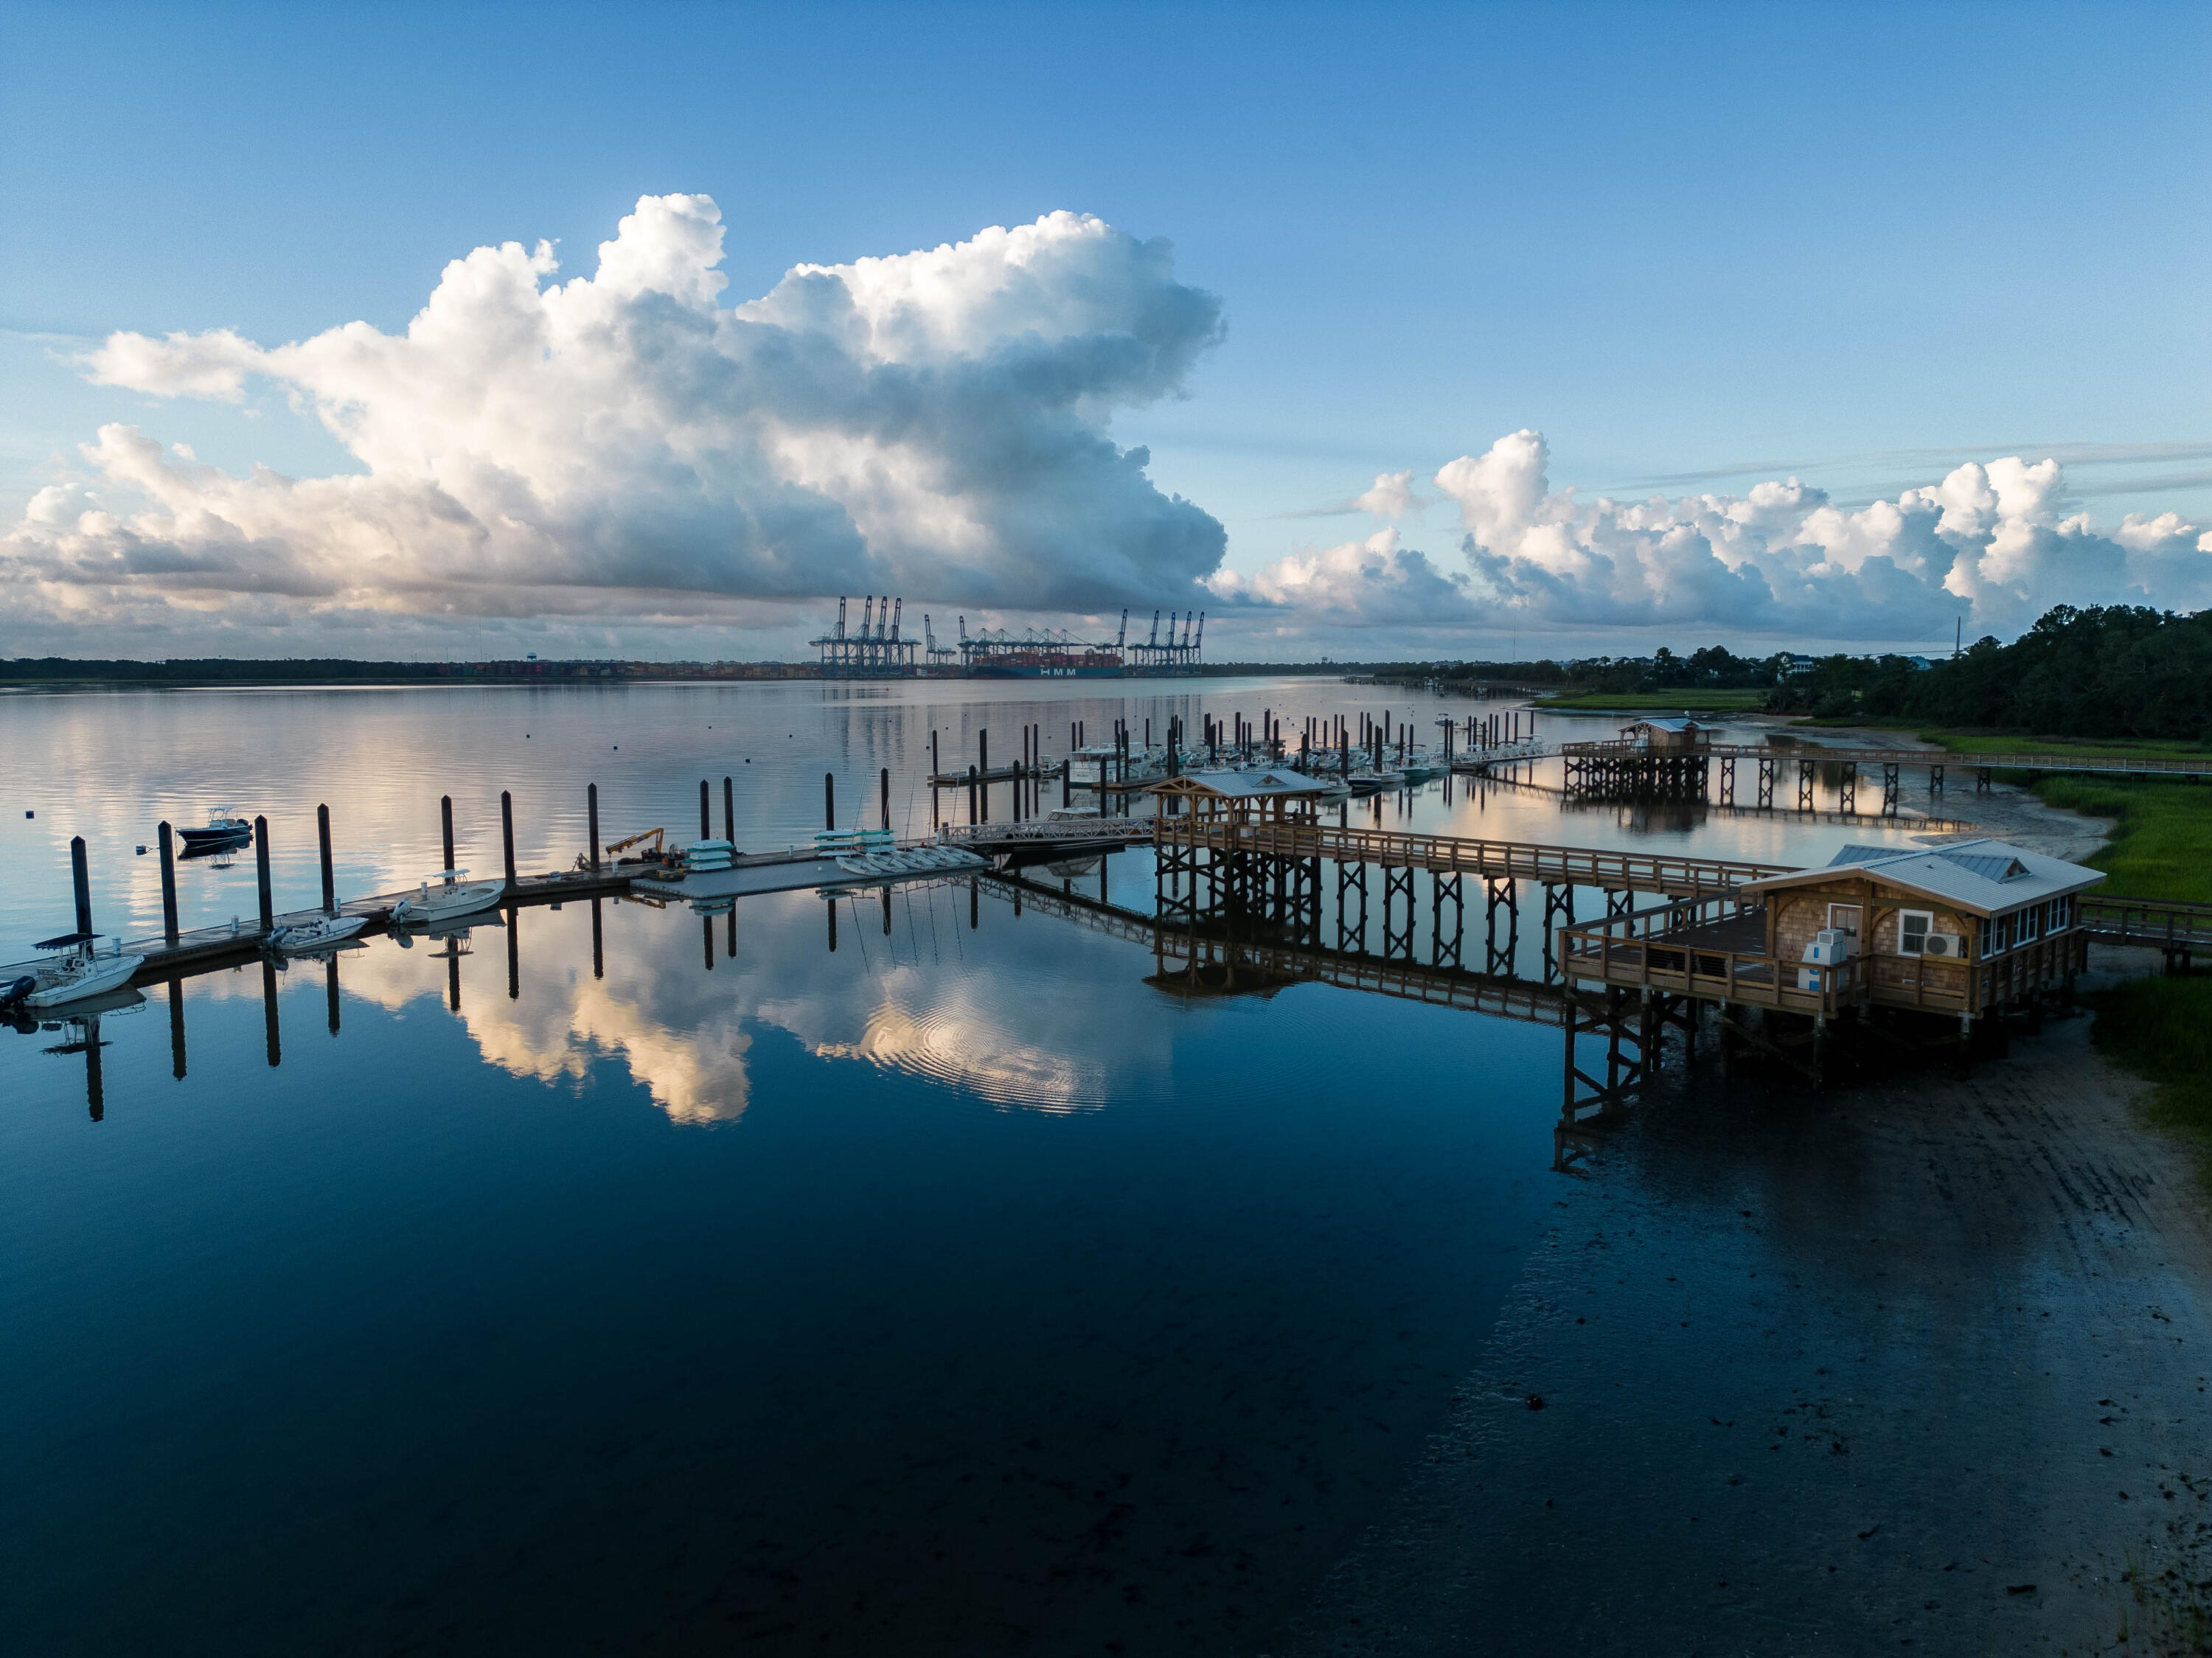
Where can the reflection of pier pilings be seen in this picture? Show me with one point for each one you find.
(269, 1012)
(177, 1029)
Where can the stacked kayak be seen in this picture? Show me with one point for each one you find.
(704, 855)
(919, 861)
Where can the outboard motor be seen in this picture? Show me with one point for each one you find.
(10, 994)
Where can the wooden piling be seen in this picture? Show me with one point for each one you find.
(705, 813)
(261, 878)
(730, 811)
(330, 990)
(507, 834)
(592, 812)
(830, 799)
(81, 881)
(446, 822)
(883, 779)
(598, 950)
(830, 909)
(168, 886)
(330, 873)
(514, 956)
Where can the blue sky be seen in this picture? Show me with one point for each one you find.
(1695, 247)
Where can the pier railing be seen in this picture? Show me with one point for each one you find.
(1617, 872)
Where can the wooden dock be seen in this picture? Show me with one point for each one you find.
(1674, 874)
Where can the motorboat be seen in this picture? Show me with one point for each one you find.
(78, 971)
(444, 896)
(321, 933)
(226, 828)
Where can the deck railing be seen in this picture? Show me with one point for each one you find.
(1617, 871)
(1657, 949)
(2157, 923)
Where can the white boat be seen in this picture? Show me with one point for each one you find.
(320, 933)
(80, 973)
(443, 896)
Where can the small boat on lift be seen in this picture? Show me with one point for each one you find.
(78, 971)
(225, 829)
(324, 932)
(443, 896)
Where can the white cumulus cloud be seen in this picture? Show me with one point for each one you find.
(623, 444)
(1989, 542)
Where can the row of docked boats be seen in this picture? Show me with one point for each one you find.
(76, 968)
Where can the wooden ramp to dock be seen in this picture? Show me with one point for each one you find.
(1179, 948)
(1675, 875)
(2180, 929)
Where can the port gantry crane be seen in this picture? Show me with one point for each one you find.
(877, 651)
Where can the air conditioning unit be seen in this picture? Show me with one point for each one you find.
(1943, 944)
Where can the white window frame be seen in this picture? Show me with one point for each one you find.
(1927, 918)
(1858, 921)
(2024, 927)
(2062, 914)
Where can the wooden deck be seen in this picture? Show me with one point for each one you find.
(1710, 949)
(1673, 874)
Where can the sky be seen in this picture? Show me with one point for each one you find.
(1373, 331)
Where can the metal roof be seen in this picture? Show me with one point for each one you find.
(1983, 877)
(1248, 785)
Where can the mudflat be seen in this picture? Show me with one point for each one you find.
(1917, 1364)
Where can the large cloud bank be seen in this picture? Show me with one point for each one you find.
(622, 444)
(1990, 543)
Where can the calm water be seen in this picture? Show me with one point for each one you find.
(953, 1290)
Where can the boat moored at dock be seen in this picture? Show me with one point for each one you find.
(444, 896)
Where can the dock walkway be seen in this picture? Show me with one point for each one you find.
(1673, 874)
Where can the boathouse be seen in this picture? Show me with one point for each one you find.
(1971, 927)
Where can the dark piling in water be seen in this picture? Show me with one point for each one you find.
(730, 811)
(330, 874)
(829, 800)
(706, 812)
(445, 823)
(507, 834)
(168, 884)
(883, 778)
(81, 879)
(261, 881)
(592, 813)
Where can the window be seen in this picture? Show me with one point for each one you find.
(1998, 931)
(1844, 918)
(1913, 930)
(2023, 923)
(2062, 914)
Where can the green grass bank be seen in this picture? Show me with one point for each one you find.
(2160, 1028)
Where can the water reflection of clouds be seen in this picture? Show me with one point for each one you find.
(1007, 1014)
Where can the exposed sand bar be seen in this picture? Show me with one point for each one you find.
(1826, 1375)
